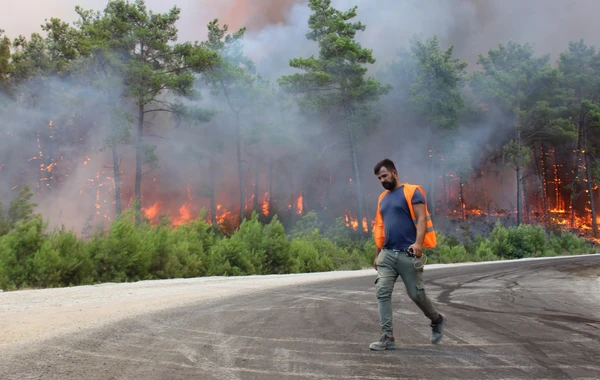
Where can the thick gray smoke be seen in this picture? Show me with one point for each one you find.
(276, 34)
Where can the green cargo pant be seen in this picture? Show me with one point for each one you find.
(390, 265)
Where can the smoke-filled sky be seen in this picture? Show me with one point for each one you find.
(277, 28)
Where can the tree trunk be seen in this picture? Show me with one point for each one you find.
(356, 177)
(270, 210)
(117, 179)
(539, 198)
(519, 168)
(519, 211)
(292, 204)
(256, 187)
(574, 192)
(367, 217)
(138, 160)
(213, 201)
(591, 194)
(444, 184)
(431, 194)
(590, 187)
(461, 198)
(544, 185)
(328, 190)
(445, 196)
(502, 195)
(525, 200)
(238, 142)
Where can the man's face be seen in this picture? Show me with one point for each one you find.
(387, 178)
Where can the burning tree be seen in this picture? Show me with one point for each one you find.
(334, 84)
(233, 77)
(513, 80)
(581, 76)
(435, 92)
(156, 69)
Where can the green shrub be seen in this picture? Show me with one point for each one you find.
(484, 251)
(125, 252)
(17, 251)
(253, 249)
(518, 242)
(448, 250)
(307, 258)
(62, 261)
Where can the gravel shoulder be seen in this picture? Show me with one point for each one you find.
(28, 316)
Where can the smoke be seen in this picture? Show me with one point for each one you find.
(276, 33)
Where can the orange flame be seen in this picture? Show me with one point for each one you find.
(152, 211)
(184, 215)
(299, 205)
(265, 205)
(224, 215)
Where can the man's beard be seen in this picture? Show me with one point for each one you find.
(389, 185)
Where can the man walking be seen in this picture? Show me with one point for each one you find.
(402, 228)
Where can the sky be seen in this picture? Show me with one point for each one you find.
(277, 27)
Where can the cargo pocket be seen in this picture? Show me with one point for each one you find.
(419, 294)
(419, 281)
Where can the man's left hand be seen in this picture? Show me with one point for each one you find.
(417, 250)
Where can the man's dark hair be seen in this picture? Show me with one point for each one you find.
(385, 163)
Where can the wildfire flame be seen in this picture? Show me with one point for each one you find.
(184, 215)
(224, 215)
(265, 205)
(353, 222)
(152, 211)
(299, 205)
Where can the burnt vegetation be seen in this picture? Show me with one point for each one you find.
(127, 155)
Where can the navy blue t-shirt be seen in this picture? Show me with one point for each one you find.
(400, 231)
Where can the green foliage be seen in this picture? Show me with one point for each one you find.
(20, 210)
(437, 81)
(5, 64)
(335, 84)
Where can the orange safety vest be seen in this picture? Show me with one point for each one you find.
(429, 241)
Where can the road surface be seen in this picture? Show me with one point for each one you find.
(525, 319)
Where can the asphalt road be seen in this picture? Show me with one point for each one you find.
(536, 319)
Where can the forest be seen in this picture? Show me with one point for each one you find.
(127, 154)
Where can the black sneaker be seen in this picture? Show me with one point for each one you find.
(438, 330)
(384, 343)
